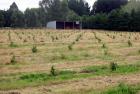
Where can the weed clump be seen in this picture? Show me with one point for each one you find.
(86, 55)
(12, 44)
(121, 89)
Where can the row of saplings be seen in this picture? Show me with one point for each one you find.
(70, 47)
(113, 67)
(34, 49)
(13, 59)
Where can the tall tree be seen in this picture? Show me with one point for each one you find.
(72, 16)
(14, 17)
(32, 18)
(7, 16)
(80, 7)
(55, 9)
(2, 20)
(98, 21)
(64, 10)
(17, 19)
(106, 6)
(41, 17)
(13, 7)
(119, 20)
(135, 20)
(132, 4)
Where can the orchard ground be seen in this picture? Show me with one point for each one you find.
(81, 61)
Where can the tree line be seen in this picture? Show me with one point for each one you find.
(126, 17)
(104, 14)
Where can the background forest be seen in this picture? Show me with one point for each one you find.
(104, 14)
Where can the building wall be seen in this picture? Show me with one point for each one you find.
(63, 25)
(51, 25)
(60, 25)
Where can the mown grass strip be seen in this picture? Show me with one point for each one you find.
(36, 79)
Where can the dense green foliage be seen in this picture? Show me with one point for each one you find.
(106, 6)
(79, 6)
(115, 20)
(133, 4)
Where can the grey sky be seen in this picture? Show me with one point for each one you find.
(23, 4)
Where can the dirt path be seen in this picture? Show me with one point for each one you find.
(82, 84)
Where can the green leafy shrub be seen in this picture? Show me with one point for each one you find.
(13, 60)
(113, 66)
(53, 71)
(34, 49)
(130, 43)
(70, 47)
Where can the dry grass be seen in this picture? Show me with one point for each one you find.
(53, 44)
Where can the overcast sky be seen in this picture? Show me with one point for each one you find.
(23, 4)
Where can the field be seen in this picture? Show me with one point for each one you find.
(41, 61)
